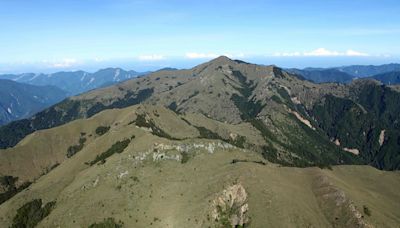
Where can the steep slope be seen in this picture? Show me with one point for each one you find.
(18, 100)
(290, 113)
(323, 75)
(361, 71)
(366, 124)
(390, 78)
(75, 82)
(146, 166)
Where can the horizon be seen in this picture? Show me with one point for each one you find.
(147, 35)
(188, 66)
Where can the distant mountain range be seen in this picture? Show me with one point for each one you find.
(75, 82)
(219, 143)
(19, 100)
(390, 78)
(323, 75)
(362, 71)
(386, 74)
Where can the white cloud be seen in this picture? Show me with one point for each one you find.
(355, 53)
(322, 52)
(151, 57)
(63, 63)
(194, 55)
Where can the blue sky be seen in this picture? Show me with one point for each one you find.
(48, 35)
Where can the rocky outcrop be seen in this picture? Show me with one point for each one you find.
(230, 207)
(338, 209)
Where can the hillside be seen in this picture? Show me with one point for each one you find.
(133, 166)
(75, 82)
(18, 100)
(386, 74)
(303, 123)
(390, 78)
(318, 75)
(361, 71)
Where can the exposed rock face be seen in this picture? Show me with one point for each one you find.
(304, 121)
(230, 207)
(382, 137)
(337, 207)
(352, 150)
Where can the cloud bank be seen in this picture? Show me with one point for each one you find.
(154, 57)
(322, 52)
(195, 55)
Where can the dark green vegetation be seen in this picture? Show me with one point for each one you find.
(62, 113)
(57, 115)
(8, 183)
(185, 157)
(129, 99)
(141, 121)
(117, 147)
(390, 78)
(205, 133)
(269, 99)
(101, 130)
(248, 105)
(31, 213)
(72, 150)
(358, 125)
(234, 161)
(107, 223)
(366, 210)
(225, 214)
(310, 148)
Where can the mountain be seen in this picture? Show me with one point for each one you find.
(19, 100)
(303, 124)
(225, 144)
(318, 75)
(75, 82)
(390, 78)
(361, 71)
(387, 74)
(128, 167)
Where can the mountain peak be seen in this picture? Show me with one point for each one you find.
(222, 60)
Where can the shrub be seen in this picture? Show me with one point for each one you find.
(8, 184)
(142, 122)
(185, 157)
(31, 213)
(107, 223)
(366, 210)
(117, 147)
(72, 150)
(101, 130)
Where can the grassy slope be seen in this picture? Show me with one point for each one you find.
(168, 193)
(179, 195)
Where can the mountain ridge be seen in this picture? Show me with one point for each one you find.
(20, 100)
(269, 98)
(75, 82)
